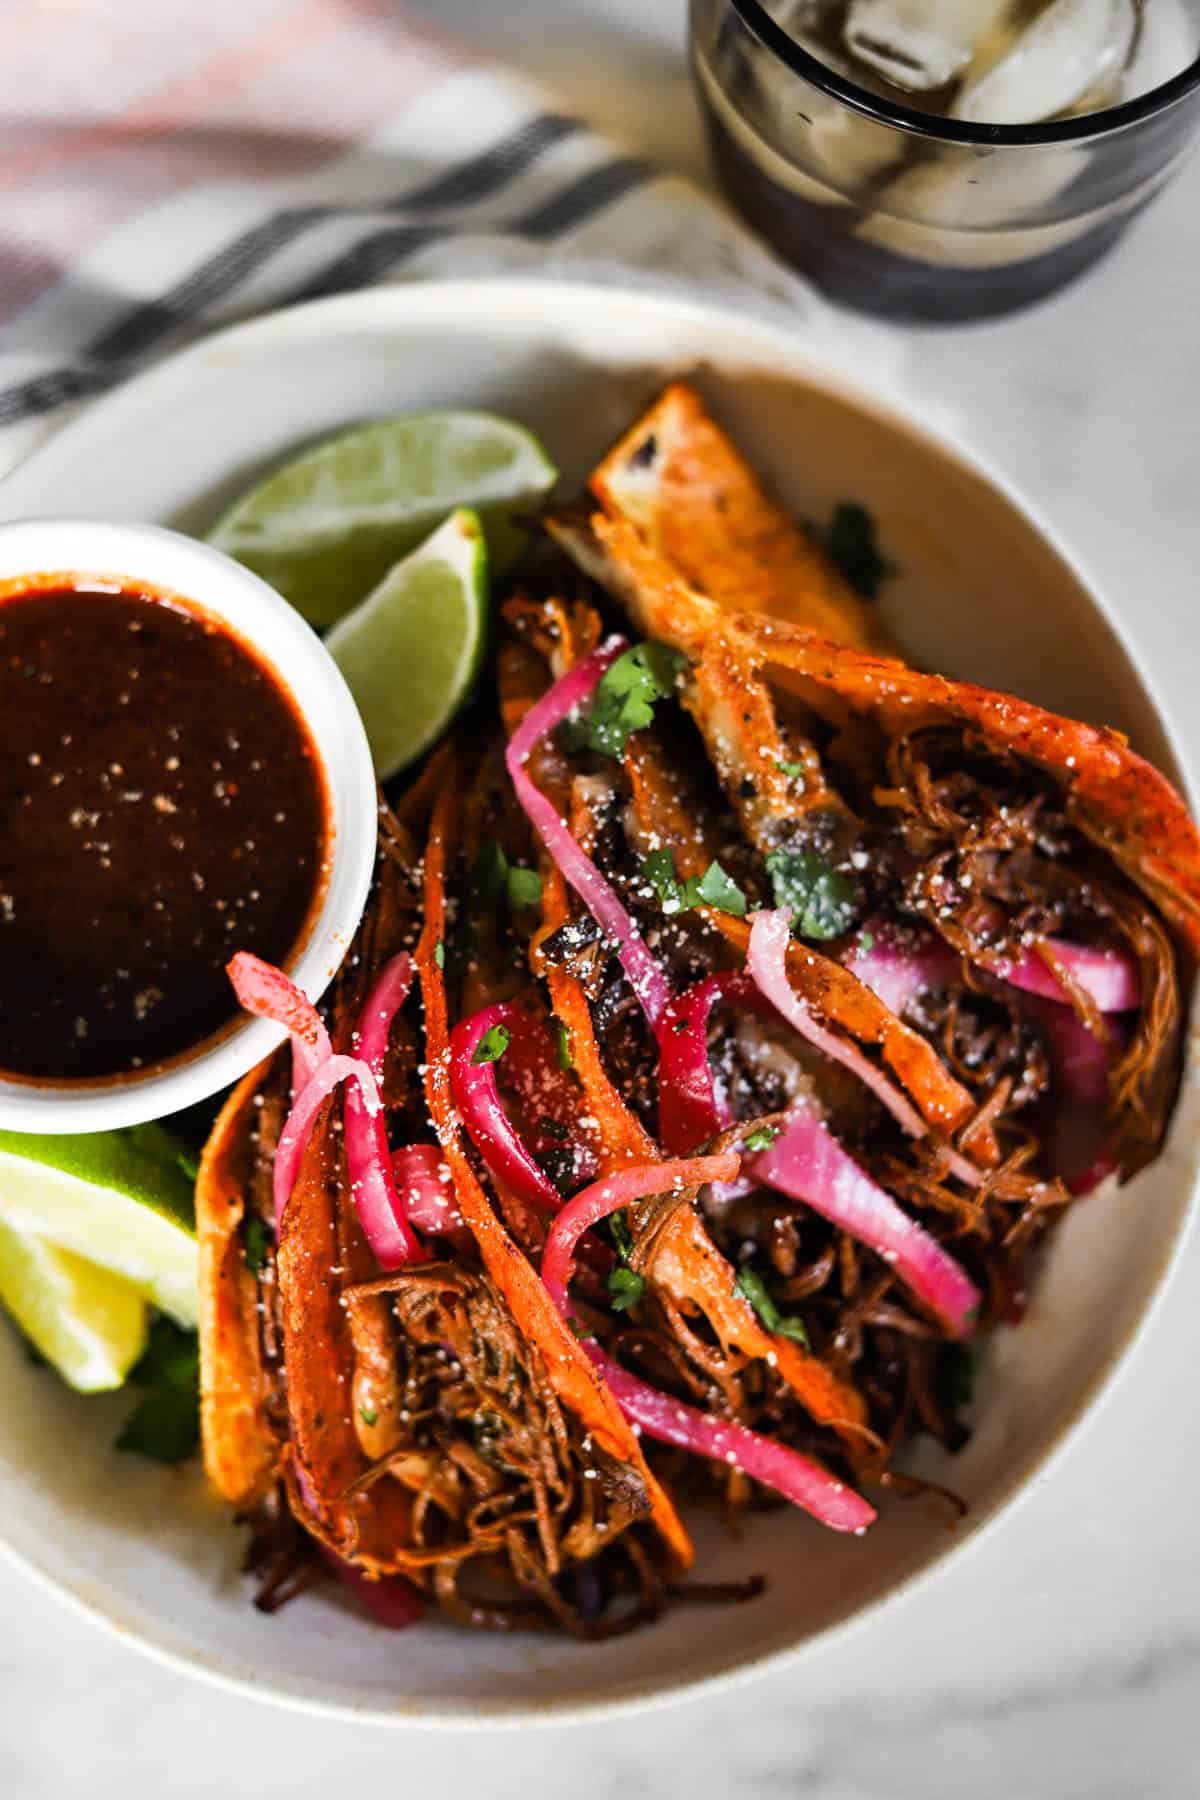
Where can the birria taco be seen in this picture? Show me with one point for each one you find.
(736, 1010)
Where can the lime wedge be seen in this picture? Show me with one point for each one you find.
(120, 1199)
(89, 1324)
(412, 649)
(324, 529)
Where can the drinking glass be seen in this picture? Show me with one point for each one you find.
(917, 215)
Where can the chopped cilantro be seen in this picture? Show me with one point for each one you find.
(679, 1026)
(716, 888)
(368, 1415)
(489, 877)
(256, 1241)
(496, 881)
(762, 1139)
(626, 1288)
(624, 1284)
(579, 1329)
(754, 1289)
(492, 1045)
(866, 941)
(618, 1225)
(524, 888)
(166, 1422)
(439, 954)
(625, 698)
(852, 544)
(659, 870)
(562, 1046)
(823, 902)
(794, 771)
(713, 888)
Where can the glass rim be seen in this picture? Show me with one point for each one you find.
(773, 36)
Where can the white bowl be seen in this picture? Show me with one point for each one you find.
(81, 551)
(984, 591)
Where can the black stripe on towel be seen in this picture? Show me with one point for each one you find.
(104, 360)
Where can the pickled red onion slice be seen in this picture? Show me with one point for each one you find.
(478, 1100)
(898, 972)
(1109, 976)
(900, 964)
(807, 1162)
(379, 1204)
(1079, 1134)
(387, 996)
(646, 979)
(267, 992)
(1078, 1058)
(688, 1104)
(798, 1478)
(690, 1110)
(298, 1125)
(766, 960)
(391, 1601)
(608, 1195)
(422, 1177)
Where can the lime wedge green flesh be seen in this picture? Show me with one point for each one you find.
(411, 651)
(90, 1325)
(325, 529)
(113, 1198)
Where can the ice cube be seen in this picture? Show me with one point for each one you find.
(958, 211)
(853, 151)
(1076, 48)
(1168, 40)
(919, 44)
(848, 149)
(800, 16)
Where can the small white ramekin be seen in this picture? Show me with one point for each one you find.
(80, 552)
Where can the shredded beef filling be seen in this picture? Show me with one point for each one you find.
(998, 865)
(501, 1475)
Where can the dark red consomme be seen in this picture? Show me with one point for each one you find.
(161, 805)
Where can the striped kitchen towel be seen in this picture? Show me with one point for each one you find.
(165, 169)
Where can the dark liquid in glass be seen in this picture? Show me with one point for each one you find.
(820, 241)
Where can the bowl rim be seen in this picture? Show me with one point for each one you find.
(215, 586)
(519, 302)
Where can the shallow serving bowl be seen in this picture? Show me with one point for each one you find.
(983, 591)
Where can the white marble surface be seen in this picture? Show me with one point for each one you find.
(1062, 1659)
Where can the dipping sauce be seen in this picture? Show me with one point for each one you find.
(161, 806)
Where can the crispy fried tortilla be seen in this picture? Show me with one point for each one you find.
(810, 738)
(677, 480)
(241, 1445)
(1114, 796)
